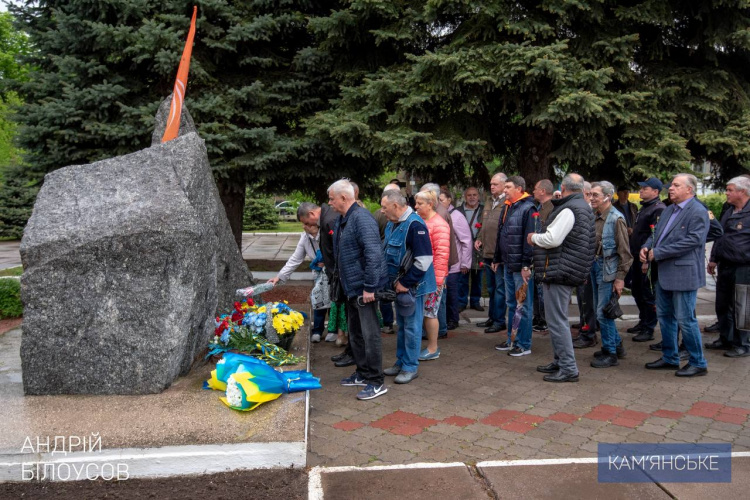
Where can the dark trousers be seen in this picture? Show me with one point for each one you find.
(643, 293)
(587, 308)
(319, 321)
(364, 340)
(470, 291)
(451, 299)
(386, 310)
(538, 303)
(727, 277)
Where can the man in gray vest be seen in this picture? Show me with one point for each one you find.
(611, 263)
(563, 254)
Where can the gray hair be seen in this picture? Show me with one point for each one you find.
(546, 185)
(394, 196)
(742, 183)
(517, 181)
(692, 181)
(305, 208)
(586, 186)
(431, 186)
(342, 187)
(427, 196)
(608, 189)
(501, 176)
(573, 183)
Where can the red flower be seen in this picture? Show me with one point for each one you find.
(652, 227)
(250, 302)
(237, 306)
(237, 316)
(478, 225)
(330, 232)
(535, 214)
(481, 264)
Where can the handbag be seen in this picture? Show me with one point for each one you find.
(320, 297)
(335, 287)
(612, 309)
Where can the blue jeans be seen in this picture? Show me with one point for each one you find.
(442, 314)
(409, 337)
(319, 320)
(514, 281)
(498, 304)
(451, 299)
(678, 309)
(386, 310)
(475, 296)
(602, 293)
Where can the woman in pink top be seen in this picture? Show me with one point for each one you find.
(426, 202)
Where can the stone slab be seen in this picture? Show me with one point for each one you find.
(363, 484)
(738, 488)
(563, 481)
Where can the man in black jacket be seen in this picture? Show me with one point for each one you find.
(731, 254)
(643, 291)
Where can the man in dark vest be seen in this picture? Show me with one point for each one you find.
(563, 255)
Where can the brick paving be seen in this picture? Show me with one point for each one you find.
(475, 403)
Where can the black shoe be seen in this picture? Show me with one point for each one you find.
(712, 328)
(655, 347)
(444, 336)
(496, 328)
(452, 326)
(660, 364)
(738, 352)
(620, 352)
(576, 326)
(581, 343)
(345, 361)
(606, 360)
(485, 324)
(644, 336)
(550, 368)
(636, 329)
(478, 307)
(339, 357)
(718, 345)
(560, 377)
(684, 354)
(540, 327)
(691, 371)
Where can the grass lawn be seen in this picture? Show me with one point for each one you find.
(283, 227)
(12, 271)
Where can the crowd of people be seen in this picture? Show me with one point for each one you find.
(414, 265)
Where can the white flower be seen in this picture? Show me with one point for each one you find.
(234, 395)
(221, 361)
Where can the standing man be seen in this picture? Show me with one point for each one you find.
(361, 271)
(543, 197)
(643, 291)
(678, 248)
(471, 283)
(515, 254)
(562, 259)
(485, 246)
(408, 257)
(731, 254)
(627, 209)
(611, 263)
(587, 325)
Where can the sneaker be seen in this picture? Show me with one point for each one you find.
(353, 380)
(331, 337)
(539, 327)
(371, 391)
(388, 329)
(505, 346)
(392, 371)
(426, 355)
(315, 338)
(519, 351)
(406, 377)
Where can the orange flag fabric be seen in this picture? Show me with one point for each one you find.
(180, 85)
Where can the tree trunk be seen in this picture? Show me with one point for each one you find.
(232, 193)
(535, 162)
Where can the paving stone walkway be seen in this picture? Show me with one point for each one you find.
(475, 403)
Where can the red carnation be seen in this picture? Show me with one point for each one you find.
(237, 316)
(481, 264)
(478, 225)
(330, 232)
(535, 214)
(652, 226)
(250, 302)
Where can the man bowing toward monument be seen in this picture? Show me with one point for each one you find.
(677, 247)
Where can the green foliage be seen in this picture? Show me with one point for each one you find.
(12, 271)
(10, 298)
(714, 202)
(17, 197)
(14, 45)
(259, 214)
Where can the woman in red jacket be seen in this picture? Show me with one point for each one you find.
(426, 202)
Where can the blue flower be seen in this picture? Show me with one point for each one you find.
(225, 336)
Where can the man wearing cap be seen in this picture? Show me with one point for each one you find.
(642, 288)
(408, 257)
